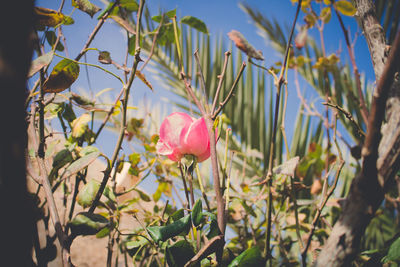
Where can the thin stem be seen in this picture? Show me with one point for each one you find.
(278, 84)
(202, 187)
(178, 43)
(184, 185)
(221, 79)
(124, 112)
(364, 110)
(95, 31)
(230, 94)
(202, 81)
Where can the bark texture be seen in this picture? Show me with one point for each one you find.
(17, 224)
(381, 151)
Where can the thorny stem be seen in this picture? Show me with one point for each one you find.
(125, 106)
(278, 84)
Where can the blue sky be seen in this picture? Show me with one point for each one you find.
(220, 16)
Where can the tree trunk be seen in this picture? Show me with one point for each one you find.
(381, 154)
(17, 224)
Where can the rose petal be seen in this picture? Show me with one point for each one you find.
(163, 148)
(195, 139)
(172, 126)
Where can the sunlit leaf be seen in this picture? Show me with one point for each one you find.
(79, 125)
(86, 6)
(81, 163)
(129, 5)
(124, 23)
(63, 76)
(195, 23)
(168, 15)
(88, 193)
(326, 14)
(345, 7)
(50, 18)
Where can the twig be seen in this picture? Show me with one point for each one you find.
(348, 116)
(153, 44)
(95, 31)
(221, 79)
(364, 110)
(268, 179)
(230, 94)
(127, 88)
(184, 185)
(202, 81)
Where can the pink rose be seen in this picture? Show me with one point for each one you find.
(182, 135)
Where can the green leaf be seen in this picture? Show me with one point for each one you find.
(85, 223)
(326, 14)
(176, 216)
(134, 159)
(49, 17)
(103, 232)
(213, 228)
(133, 245)
(163, 233)
(168, 15)
(104, 57)
(51, 39)
(251, 257)
(88, 193)
(81, 163)
(179, 253)
(80, 100)
(143, 196)
(40, 62)
(62, 158)
(248, 209)
(344, 7)
(62, 76)
(195, 23)
(197, 213)
(129, 5)
(86, 6)
(80, 125)
(393, 253)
